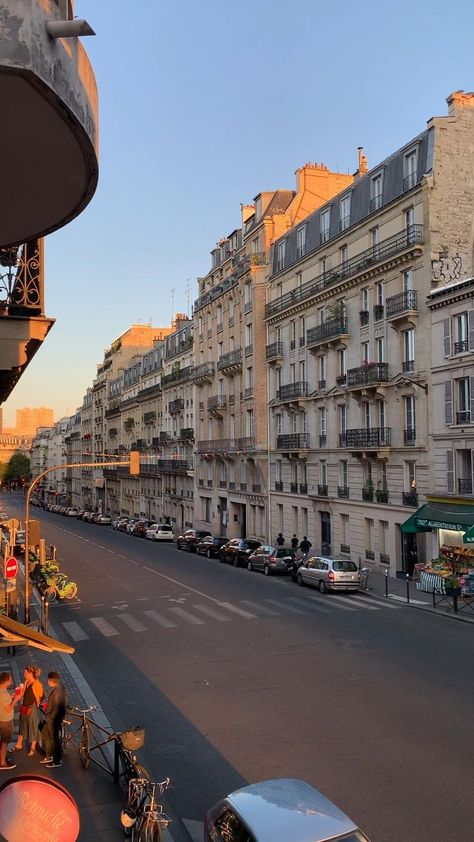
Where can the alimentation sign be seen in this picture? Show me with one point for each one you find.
(37, 809)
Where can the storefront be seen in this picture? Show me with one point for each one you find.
(451, 565)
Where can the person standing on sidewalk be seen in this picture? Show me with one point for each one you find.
(7, 705)
(294, 543)
(280, 539)
(54, 713)
(29, 710)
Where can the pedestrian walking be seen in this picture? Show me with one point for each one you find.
(294, 543)
(7, 705)
(33, 694)
(280, 539)
(305, 546)
(54, 713)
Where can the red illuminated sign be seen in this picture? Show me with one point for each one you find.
(37, 809)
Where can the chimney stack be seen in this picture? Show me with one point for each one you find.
(363, 167)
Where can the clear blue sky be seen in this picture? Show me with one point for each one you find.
(204, 104)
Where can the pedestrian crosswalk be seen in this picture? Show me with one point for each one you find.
(172, 616)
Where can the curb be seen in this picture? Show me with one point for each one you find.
(429, 610)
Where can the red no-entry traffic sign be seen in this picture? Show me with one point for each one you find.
(11, 568)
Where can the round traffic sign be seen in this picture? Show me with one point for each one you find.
(11, 568)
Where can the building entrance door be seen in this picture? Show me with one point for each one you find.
(409, 552)
(325, 533)
(243, 521)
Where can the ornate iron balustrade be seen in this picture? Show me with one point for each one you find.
(278, 485)
(322, 490)
(343, 491)
(176, 376)
(402, 302)
(368, 375)
(244, 443)
(216, 292)
(293, 441)
(331, 329)
(408, 365)
(293, 488)
(461, 347)
(187, 434)
(176, 405)
(386, 248)
(303, 488)
(275, 351)
(341, 379)
(213, 446)
(366, 437)
(21, 279)
(409, 437)
(216, 402)
(381, 495)
(368, 494)
(410, 498)
(463, 417)
(149, 417)
(465, 485)
(182, 346)
(230, 359)
(173, 466)
(293, 390)
(202, 371)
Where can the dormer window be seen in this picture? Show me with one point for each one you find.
(301, 241)
(324, 222)
(376, 192)
(410, 169)
(281, 252)
(345, 212)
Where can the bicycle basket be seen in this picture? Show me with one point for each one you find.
(134, 739)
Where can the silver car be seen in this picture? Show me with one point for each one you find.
(280, 810)
(329, 574)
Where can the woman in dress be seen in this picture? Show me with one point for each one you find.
(29, 710)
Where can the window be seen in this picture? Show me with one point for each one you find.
(304, 520)
(379, 294)
(409, 350)
(365, 299)
(463, 415)
(379, 350)
(278, 470)
(249, 378)
(410, 420)
(324, 222)
(206, 509)
(303, 422)
(302, 371)
(281, 251)
(219, 316)
(383, 532)
(345, 212)
(258, 207)
(292, 373)
(365, 352)
(376, 193)
(374, 241)
(461, 334)
(410, 167)
(409, 221)
(255, 245)
(302, 331)
(300, 241)
(323, 422)
(323, 472)
(221, 388)
(366, 415)
(382, 413)
(408, 280)
(342, 418)
(322, 370)
(292, 336)
(250, 426)
(294, 422)
(280, 526)
(343, 476)
(342, 362)
(279, 423)
(295, 519)
(249, 334)
(410, 476)
(323, 266)
(278, 379)
(344, 530)
(369, 530)
(343, 257)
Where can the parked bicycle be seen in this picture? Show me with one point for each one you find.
(142, 818)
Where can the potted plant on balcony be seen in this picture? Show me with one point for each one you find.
(334, 311)
(381, 494)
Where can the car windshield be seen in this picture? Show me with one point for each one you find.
(281, 552)
(165, 528)
(344, 566)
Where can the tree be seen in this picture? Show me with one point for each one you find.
(17, 468)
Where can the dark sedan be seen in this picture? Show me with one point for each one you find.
(210, 546)
(140, 528)
(272, 559)
(238, 550)
(190, 539)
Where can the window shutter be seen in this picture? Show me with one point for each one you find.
(470, 323)
(471, 384)
(448, 402)
(447, 337)
(450, 470)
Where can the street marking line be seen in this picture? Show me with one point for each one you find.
(314, 603)
(97, 604)
(185, 615)
(162, 621)
(183, 585)
(75, 631)
(334, 601)
(367, 600)
(134, 562)
(269, 612)
(404, 599)
(103, 626)
(240, 611)
(286, 607)
(211, 613)
(352, 602)
(132, 623)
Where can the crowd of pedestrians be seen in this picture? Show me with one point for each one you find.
(40, 719)
(304, 546)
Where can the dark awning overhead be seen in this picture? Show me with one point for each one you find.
(17, 634)
(411, 525)
(447, 515)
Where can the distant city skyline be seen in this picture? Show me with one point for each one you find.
(28, 419)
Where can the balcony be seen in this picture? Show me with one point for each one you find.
(364, 318)
(213, 446)
(408, 366)
(410, 498)
(333, 330)
(378, 311)
(341, 379)
(176, 406)
(293, 441)
(368, 494)
(402, 309)
(275, 351)
(405, 240)
(366, 437)
(381, 495)
(323, 440)
(243, 486)
(178, 376)
(322, 490)
(303, 488)
(293, 391)
(149, 417)
(322, 385)
(463, 417)
(278, 485)
(243, 444)
(216, 404)
(461, 347)
(343, 492)
(256, 488)
(293, 488)
(369, 374)
(187, 434)
(202, 373)
(409, 437)
(231, 360)
(167, 466)
(465, 485)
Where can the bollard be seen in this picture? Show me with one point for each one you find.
(408, 587)
(386, 582)
(434, 598)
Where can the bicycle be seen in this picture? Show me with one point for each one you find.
(78, 738)
(142, 818)
(84, 738)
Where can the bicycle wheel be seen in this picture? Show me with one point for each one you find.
(148, 829)
(84, 747)
(70, 590)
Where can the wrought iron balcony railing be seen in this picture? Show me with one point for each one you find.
(293, 488)
(323, 440)
(293, 390)
(293, 441)
(331, 329)
(343, 491)
(461, 347)
(176, 405)
(402, 303)
(203, 371)
(368, 494)
(275, 351)
(232, 358)
(21, 280)
(465, 485)
(409, 437)
(187, 434)
(378, 311)
(341, 379)
(303, 488)
(364, 260)
(381, 495)
(322, 490)
(166, 466)
(368, 374)
(256, 488)
(278, 485)
(408, 365)
(216, 402)
(366, 437)
(463, 417)
(410, 498)
(213, 446)
(176, 376)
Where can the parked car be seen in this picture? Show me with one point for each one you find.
(210, 546)
(238, 550)
(272, 559)
(129, 525)
(160, 532)
(87, 516)
(104, 520)
(72, 511)
(279, 810)
(140, 528)
(329, 574)
(118, 521)
(80, 514)
(190, 539)
(122, 525)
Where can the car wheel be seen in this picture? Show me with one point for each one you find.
(209, 554)
(322, 586)
(235, 561)
(189, 548)
(299, 579)
(249, 565)
(266, 570)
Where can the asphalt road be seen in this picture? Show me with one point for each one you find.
(238, 678)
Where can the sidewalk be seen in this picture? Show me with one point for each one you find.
(421, 600)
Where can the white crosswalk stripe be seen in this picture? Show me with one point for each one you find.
(353, 605)
(287, 607)
(185, 615)
(336, 602)
(162, 621)
(268, 612)
(368, 600)
(132, 623)
(103, 626)
(314, 604)
(239, 611)
(75, 631)
(210, 612)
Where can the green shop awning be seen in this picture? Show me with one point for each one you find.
(459, 518)
(411, 525)
(469, 536)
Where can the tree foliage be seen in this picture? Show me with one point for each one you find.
(17, 468)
